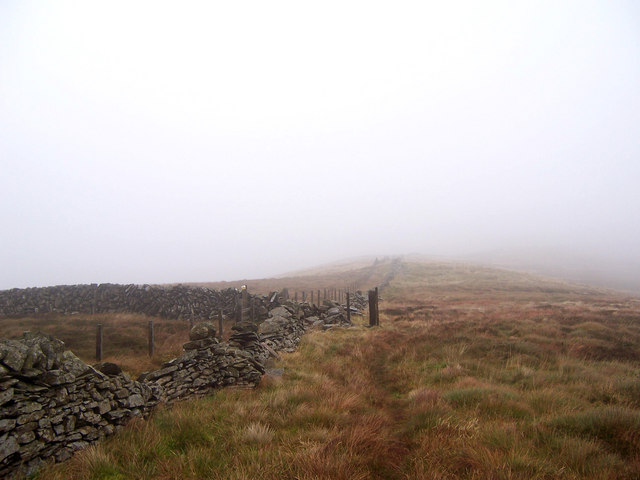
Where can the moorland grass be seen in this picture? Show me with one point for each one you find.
(485, 377)
(397, 402)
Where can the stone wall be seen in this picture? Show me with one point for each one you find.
(180, 301)
(52, 403)
(206, 365)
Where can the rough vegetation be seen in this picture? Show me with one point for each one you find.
(474, 373)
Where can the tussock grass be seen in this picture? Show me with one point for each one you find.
(473, 374)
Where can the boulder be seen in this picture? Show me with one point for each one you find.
(245, 327)
(13, 354)
(273, 325)
(280, 312)
(108, 368)
(202, 330)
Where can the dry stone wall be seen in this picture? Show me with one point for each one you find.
(52, 403)
(179, 301)
(206, 365)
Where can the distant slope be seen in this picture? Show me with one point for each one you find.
(606, 271)
(414, 277)
(470, 281)
(358, 274)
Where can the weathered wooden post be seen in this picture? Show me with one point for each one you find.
(318, 297)
(374, 319)
(325, 294)
(372, 313)
(304, 296)
(220, 329)
(311, 297)
(295, 296)
(348, 309)
(253, 309)
(151, 345)
(99, 343)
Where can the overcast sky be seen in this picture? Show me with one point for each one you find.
(150, 142)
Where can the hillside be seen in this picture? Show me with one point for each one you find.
(474, 373)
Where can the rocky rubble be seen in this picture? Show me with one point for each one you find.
(358, 302)
(328, 315)
(283, 328)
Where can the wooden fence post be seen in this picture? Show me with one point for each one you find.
(311, 297)
(99, 343)
(151, 345)
(348, 309)
(372, 314)
(295, 296)
(220, 323)
(374, 319)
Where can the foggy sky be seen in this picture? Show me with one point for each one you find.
(152, 142)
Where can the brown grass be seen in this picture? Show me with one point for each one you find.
(521, 382)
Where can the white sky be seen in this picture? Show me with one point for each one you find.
(153, 142)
